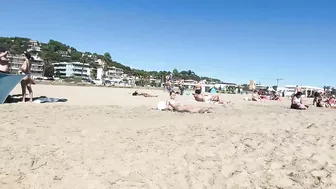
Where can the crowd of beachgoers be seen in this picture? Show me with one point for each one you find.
(320, 99)
(105, 137)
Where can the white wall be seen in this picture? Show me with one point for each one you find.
(99, 73)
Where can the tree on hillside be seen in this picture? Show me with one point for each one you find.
(48, 70)
(107, 56)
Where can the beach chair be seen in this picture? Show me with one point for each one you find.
(7, 84)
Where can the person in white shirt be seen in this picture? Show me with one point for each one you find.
(297, 102)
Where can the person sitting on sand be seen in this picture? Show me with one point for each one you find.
(174, 105)
(297, 102)
(317, 97)
(198, 88)
(256, 96)
(136, 93)
(274, 96)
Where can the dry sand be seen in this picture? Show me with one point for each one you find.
(105, 138)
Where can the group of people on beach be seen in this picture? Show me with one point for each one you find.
(173, 105)
(320, 100)
(27, 81)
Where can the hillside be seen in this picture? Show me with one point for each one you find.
(55, 51)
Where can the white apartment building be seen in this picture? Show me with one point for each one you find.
(72, 69)
(33, 46)
(114, 73)
(16, 62)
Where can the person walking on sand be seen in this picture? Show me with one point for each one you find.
(26, 81)
(181, 87)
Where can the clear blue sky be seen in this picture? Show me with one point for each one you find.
(234, 40)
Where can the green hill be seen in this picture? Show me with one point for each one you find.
(55, 51)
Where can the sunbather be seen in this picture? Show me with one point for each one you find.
(331, 102)
(327, 103)
(136, 93)
(208, 98)
(174, 105)
(297, 102)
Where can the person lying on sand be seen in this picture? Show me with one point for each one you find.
(297, 102)
(136, 93)
(174, 105)
(326, 104)
(330, 103)
(208, 98)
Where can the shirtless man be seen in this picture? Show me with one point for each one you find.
(174, 105)
(198, 88)
(209, 98)
(4, 62)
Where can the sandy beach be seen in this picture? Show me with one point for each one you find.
(105, 138)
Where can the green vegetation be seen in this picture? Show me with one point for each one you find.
(55, 51)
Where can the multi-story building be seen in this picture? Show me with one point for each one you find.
(114, 73)
(16, 62)
(64, 54)
(37, 62)
(72, 69)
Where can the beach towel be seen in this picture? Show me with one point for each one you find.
(7, 84)
(49, 100)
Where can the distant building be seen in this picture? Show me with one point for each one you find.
(64, 54)
(189, 81)
(16, 62)
(112, 73)
(33, 45)
(72, 69)
(252, 85)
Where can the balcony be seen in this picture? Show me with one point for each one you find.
(36, 69)
(34, 48)
(60, 69)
